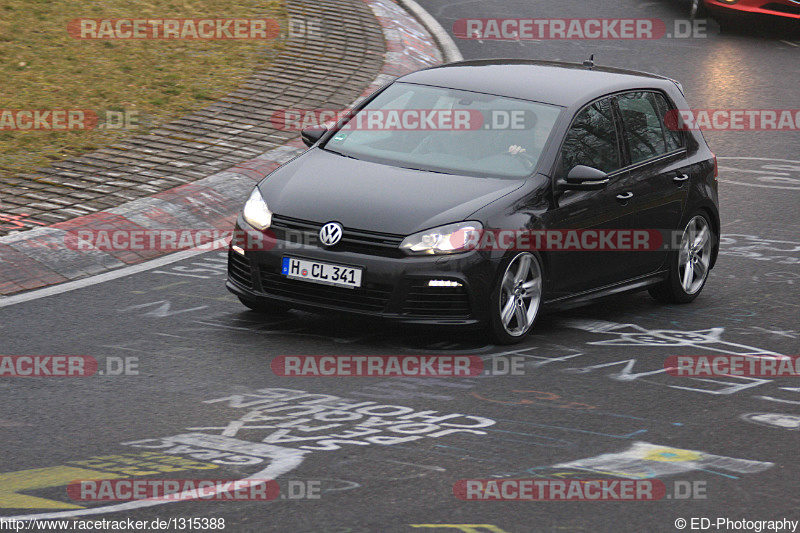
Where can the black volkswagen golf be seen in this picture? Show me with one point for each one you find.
(477, 193)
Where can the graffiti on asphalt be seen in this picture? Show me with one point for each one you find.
(288, 424)
(535, 397)
(644, 460)
(284, 415)
(635, 335)
(212, 266)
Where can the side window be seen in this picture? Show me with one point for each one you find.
(643, 125)
(673, 135)
(592, 140)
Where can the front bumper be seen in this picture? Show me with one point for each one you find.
(393, 288)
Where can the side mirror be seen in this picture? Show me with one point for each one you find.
(310, 136)
(585, 178)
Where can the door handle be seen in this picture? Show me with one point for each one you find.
(623, 197)
(681, 178)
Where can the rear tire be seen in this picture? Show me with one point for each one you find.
(689, 265)
(264, 308)
(516, 299)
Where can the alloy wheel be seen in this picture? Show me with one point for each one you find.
(695, 255)
(521, 294)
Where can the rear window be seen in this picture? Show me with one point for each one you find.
(644, 127)
(673, 135)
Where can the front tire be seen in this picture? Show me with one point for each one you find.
(689, 265)
(516, 299)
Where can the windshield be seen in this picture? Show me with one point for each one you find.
(448, 130)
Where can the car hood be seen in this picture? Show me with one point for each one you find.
(322, 186)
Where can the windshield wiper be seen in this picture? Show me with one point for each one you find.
(427, 170)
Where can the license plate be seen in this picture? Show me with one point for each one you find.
(324, 273)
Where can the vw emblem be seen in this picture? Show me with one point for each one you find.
(330, 233)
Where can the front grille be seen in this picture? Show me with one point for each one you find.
(353, 240)
(782, 8)
(239, 270)
(370, 297)
(425, 301)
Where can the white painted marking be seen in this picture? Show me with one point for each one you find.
(761, 186)
(778, 420)
(776, 170)
(770, 398)
(106, 276)
(758, 159)
(163, 309)
(771, 172)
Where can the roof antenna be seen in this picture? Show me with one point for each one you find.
(589, 63)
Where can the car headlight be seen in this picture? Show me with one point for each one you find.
(256, 212)
(450, 239)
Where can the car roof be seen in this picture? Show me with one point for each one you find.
(553, 82)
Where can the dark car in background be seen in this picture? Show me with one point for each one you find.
(373, 221)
